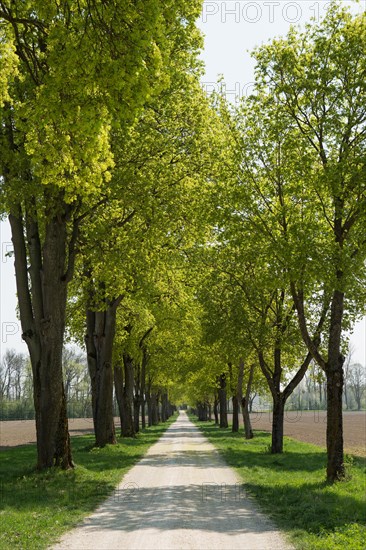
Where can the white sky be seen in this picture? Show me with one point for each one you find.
(231, 28)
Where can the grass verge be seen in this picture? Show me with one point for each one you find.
(292, 490)
(36, 508)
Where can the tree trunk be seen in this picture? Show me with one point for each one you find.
(144, 362)
(273, 377)
(118, 388)
(137, 400)
(277, 424)
(158, 408)
(143, 386)
(42, 294)
(251, 401)
(202, 411)
(248, 432)
(149, 403)
(216, 411)
(223, 403)
(149, 411)
(244, 400)
(235, 425)
(128, 427)
(335, 466)
(333, 367)
(136, 413)
(334, 374)
(164, 406)
(143, 414)
(99, 345)
(154, 409)
(234, 399)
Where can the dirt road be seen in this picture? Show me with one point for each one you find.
(180, 496)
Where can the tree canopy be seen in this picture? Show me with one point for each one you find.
(196, 249)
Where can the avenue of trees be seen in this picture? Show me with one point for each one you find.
(196, 251)
(16, 389)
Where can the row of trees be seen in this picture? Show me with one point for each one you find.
(16, 391)
(285, 267)
(101, 111)
(195, 250)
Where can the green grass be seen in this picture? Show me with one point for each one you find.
(36, 508)
(291, 489)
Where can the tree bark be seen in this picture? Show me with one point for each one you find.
(277, 424)
(118, 388)
(137, 399)
(128, 427)
(335, 381)
(154, 408)
(143, 386)
(149, 410)
(235, 401)
(99, 345)
(144, 362)
(216, 411)
(335, 462)
(333, 367)
(143, 414)
(248, 432)
(42, 304)
(202, 411)
(136, 413)
(222, 401)
(149, 403)
(164, 406)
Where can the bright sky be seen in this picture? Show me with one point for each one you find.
(231, 28)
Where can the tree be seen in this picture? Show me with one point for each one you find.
(161, 163)
(251, 310)
(56, 159)
(318, 88)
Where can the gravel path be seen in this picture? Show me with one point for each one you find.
(181, 495)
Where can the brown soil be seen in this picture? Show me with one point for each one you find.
(22, 432)
(307, 426)
(310, 426)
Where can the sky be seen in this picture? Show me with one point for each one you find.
(232, 29)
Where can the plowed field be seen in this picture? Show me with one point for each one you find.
(307, 426)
